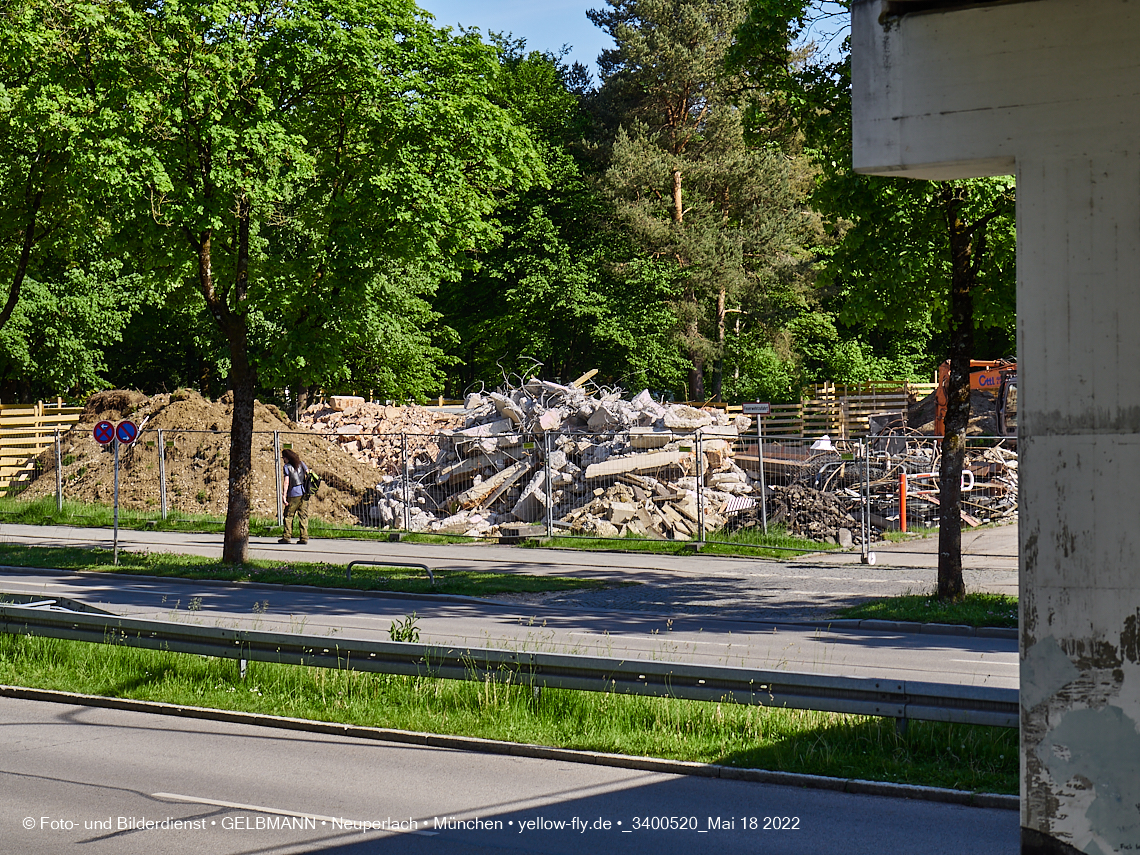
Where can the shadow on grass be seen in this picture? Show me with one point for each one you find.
(956, 756)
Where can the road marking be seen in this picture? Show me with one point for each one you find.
(988, 662)
(175, 797)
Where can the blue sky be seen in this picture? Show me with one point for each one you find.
(546, 25)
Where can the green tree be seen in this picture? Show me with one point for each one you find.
(558, 294)
(307, 158)
(69, 287)
(908, 253)
(685, 184)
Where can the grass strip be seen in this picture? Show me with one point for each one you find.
(364, 578)
(963, 757)
(976, 609)
(749, 542)
(43, 511)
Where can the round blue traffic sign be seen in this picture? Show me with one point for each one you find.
(104, 432)
(127, 432)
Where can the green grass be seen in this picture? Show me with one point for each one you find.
(958, 756)
(913, 533)
(366, 578)
(975, 610)
(746, 542)
(43, 512)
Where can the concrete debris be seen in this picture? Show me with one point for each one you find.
(589, 462)
(587, 458)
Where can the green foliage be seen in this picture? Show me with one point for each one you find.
(57, 336)
(406, 630)
(558, 294)
(68, 287)
(976, 609)
(683, 181)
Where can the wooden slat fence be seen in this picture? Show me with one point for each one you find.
(840, 411)
(26, 431)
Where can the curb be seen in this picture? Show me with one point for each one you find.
(1008, 632)
(539, 752)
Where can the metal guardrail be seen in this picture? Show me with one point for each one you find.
(899, 699)
(424, 567)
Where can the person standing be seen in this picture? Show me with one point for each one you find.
(295, 506)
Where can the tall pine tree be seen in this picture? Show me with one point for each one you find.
(690, 190)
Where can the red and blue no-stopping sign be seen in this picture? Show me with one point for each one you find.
(104, 432)
(127, 431)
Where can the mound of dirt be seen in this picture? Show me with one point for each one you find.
(112, 405)
(195, 434)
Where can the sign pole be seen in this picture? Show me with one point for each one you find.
(116, 541)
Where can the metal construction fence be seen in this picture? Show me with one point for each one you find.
(710, 485)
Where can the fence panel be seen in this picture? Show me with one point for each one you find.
(905, 483)
(813, 491)
(26, 433)
(639, 484)
(494, 481)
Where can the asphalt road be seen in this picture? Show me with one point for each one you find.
(89, 780)
(809, 588)
(467, 622)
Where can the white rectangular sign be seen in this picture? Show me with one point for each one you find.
(755, 408)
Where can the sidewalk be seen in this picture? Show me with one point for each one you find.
(985, 549)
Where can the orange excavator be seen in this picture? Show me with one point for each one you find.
(997, 377)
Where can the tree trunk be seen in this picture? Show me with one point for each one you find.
(697, 377)
(243, 379)
(965, 258)
(300, 400)
(718, 370)
(23, 259)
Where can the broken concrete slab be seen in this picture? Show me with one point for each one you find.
(635, 463)
(647, 437)
(488, 491)
(340, 403)
(532, 503)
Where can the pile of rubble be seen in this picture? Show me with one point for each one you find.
(595, 463)
(989, 481)
(376, 433)
(808, 513)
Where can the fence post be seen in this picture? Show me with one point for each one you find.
(58, 474)
(407, 497)
(902, 500)
(277, 476)
(548, 484)
(700, 489)
(763, 479)
(162, 507)
(867, 556)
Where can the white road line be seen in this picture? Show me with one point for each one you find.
(316, 817)
(989, 662)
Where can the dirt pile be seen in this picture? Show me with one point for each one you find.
(195, 433)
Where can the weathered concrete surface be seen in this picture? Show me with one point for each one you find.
(1049, 90)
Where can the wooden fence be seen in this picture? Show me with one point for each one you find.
(26, 431)
(841, 411)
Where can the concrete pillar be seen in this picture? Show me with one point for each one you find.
(1049, 89)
